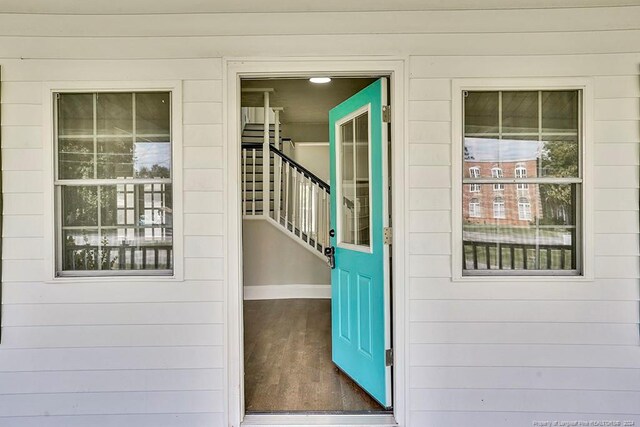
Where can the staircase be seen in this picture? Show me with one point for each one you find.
(297, 201)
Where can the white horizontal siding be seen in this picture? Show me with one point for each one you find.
(108, 292)
(480, 353)
(601, 290)
(478, 349)
(107, 358)
(202, 419)
(356, 22)
(253, 6)
(157, 342)
(19, 405)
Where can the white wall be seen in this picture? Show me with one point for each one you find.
(271, 257)
(151, 353)
(314, 157)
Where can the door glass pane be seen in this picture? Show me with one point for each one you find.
(354, 209)
(362, 179)
(347, 186)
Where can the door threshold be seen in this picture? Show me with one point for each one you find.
(319, 420)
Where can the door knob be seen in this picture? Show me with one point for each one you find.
(330, 252)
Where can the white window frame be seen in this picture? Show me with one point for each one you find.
(497, 174)
(49, 153)
(524, 209)
(518, 173)
(474, 172)
(475, 210)
(499, 208)
(585, 199)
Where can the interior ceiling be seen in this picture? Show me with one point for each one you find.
(303, 101)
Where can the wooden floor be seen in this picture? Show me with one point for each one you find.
(287, 357)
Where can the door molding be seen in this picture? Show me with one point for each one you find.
(233, 70)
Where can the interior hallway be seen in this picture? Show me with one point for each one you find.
(287, 356)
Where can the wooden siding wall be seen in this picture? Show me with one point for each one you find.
(144, 353)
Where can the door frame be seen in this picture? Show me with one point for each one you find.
(233, 69)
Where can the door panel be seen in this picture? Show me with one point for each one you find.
(359, 212)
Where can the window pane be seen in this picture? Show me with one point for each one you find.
(501, 153)
(347, 186)
(80, 249)
(560, 111)
(75, 158)
(519, 112)
(153, 113)
(134, 230)
(560, 157)
(481, 112)
(114, 113)
(362, 179)
(354, 188)
(79, 206)
(115, 158)
(533, 231)
(152, 157)
(75, 114)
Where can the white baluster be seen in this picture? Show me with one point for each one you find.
(295, 198)
(253, 174)
(286, 195)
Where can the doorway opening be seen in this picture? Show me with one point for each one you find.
(287, 233)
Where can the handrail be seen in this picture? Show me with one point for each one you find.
(306, 172)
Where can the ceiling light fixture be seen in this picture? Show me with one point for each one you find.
(320, 80)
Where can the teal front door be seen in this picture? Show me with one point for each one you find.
(360, 290)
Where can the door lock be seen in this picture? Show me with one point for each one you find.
(330, 253)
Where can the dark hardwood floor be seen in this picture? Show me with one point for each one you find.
(287, 357)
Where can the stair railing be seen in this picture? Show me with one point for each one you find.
(300, 201)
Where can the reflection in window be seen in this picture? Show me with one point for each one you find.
(497, 173)
(524, 209)
(474, 172)
(521, 172)
(113, 184)
(354, 211)
(498, 208)
(532, 135)
(474, 208)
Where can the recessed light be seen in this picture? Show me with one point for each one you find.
(320, 80)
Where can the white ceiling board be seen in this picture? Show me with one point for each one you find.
(303, 101)
(222, 6)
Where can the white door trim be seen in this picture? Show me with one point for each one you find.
(236, 68)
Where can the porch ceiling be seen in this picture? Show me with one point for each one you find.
(303, 101)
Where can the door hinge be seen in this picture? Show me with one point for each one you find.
(388, 357)
(387, 234)
(386, 113)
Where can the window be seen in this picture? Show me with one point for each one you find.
(474, 172)
(474, 208)
(521, 172)
(113, 183)
(497, 174)
(474, 188)
(498, 208)
(534, 135)
(524, 209)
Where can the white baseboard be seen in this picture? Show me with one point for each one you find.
(287, 291)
